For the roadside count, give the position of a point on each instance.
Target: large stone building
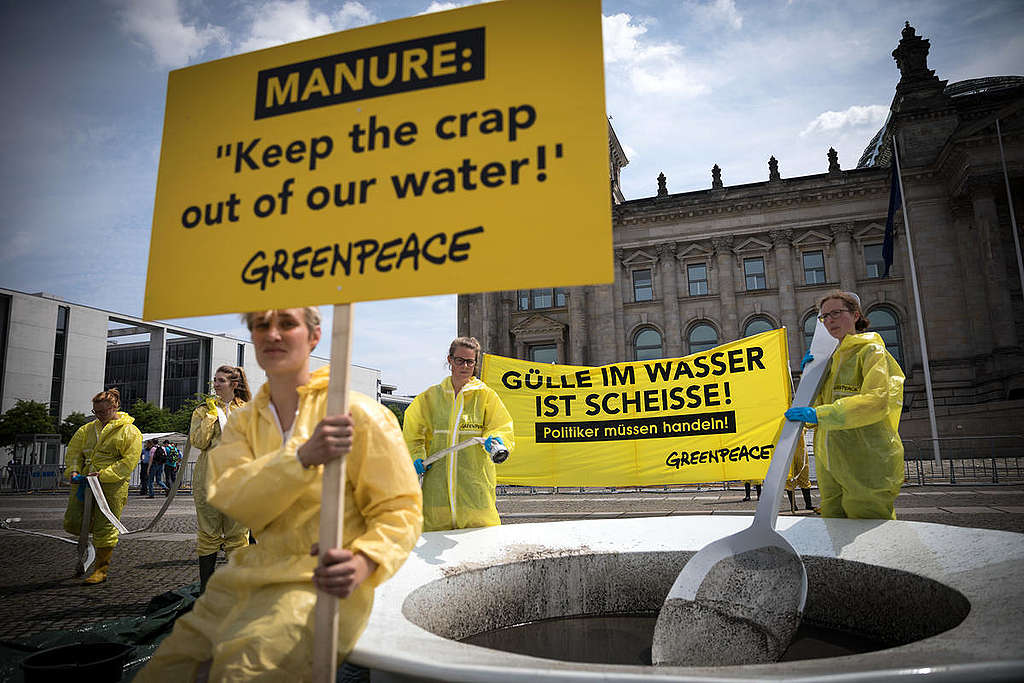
(696, 269)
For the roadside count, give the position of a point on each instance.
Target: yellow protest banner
(424, 156)
(711, 416)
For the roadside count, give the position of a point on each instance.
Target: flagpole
(917, 307)
(1009, 201)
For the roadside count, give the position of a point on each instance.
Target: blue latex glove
(80, 480)
(491, 440)
(807, 359)
(418, 464)
(803, 414)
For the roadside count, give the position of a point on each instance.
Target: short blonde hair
(112, 396)
(310, 316)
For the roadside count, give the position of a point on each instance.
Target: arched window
(702, 337)
(757, 326)
(884, 322)
(810, 322)
(647, 344)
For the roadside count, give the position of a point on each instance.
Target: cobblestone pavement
(39, 593)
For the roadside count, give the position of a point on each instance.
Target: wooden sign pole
(332, 499)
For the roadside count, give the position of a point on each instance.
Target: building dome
(878, 152)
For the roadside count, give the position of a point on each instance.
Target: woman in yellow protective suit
(458, 491)
(859, 455)
(255, 620)
(107, 448)
(799, 476)
(216, 530)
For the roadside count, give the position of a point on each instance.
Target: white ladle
(739, 600)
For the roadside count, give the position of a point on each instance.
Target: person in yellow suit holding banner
(216, 530)
(108, 448)
(458, 491)
(857, 447)
(255, 620)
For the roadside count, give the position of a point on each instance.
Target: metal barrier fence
(20, 478)
(965, 460)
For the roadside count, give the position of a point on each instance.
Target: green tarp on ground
(144, 632)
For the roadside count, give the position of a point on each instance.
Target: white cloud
(716, 12)
(856, 116)
(285, 21)
(159, 26)
(650, 67)
(445, 6)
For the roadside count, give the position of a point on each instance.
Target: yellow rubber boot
(101, 565)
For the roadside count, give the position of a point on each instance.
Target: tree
(26, 417)
(182, 417)
(71, 424)
(398, 409)
(150, 418)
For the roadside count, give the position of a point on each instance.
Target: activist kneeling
(458, 491)
(255, 619)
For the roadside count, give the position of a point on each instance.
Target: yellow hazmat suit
(799, 470)
(112, 450)
(859, 455)
(458, 490)
(255, 620)
(215, 528)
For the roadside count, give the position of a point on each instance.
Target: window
(60, 346)
(814, 267)
(884, 322)
(810, 322)
(702, 337)
(757, 326)
(643, 290)
(648, 344)
(697, 276)
(5, 311)
(753, 270)
(544, 353)
(874, 264)
(542, 298)
(241, 356)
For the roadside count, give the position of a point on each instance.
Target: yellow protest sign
(711, 416)
(458, 151)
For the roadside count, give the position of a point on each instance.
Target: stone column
(783, 241)
(602, 329)
(986, 220)
(155, 368)
(577, 326)
(842, 234)
(463, 314)
(727, 288)
(973, 282)
(670, 298)
(621, 276)
(508, 303)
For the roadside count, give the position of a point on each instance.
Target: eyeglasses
(460, 362)
(833, 315)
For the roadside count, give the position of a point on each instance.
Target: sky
(688, 84)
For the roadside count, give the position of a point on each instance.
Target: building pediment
(694, 252)
(640, 257)
(538, 325)
(812, 238)
(870, 232)
(752, 245)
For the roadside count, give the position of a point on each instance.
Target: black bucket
(93, 662)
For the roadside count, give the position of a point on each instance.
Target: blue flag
(894, 204)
